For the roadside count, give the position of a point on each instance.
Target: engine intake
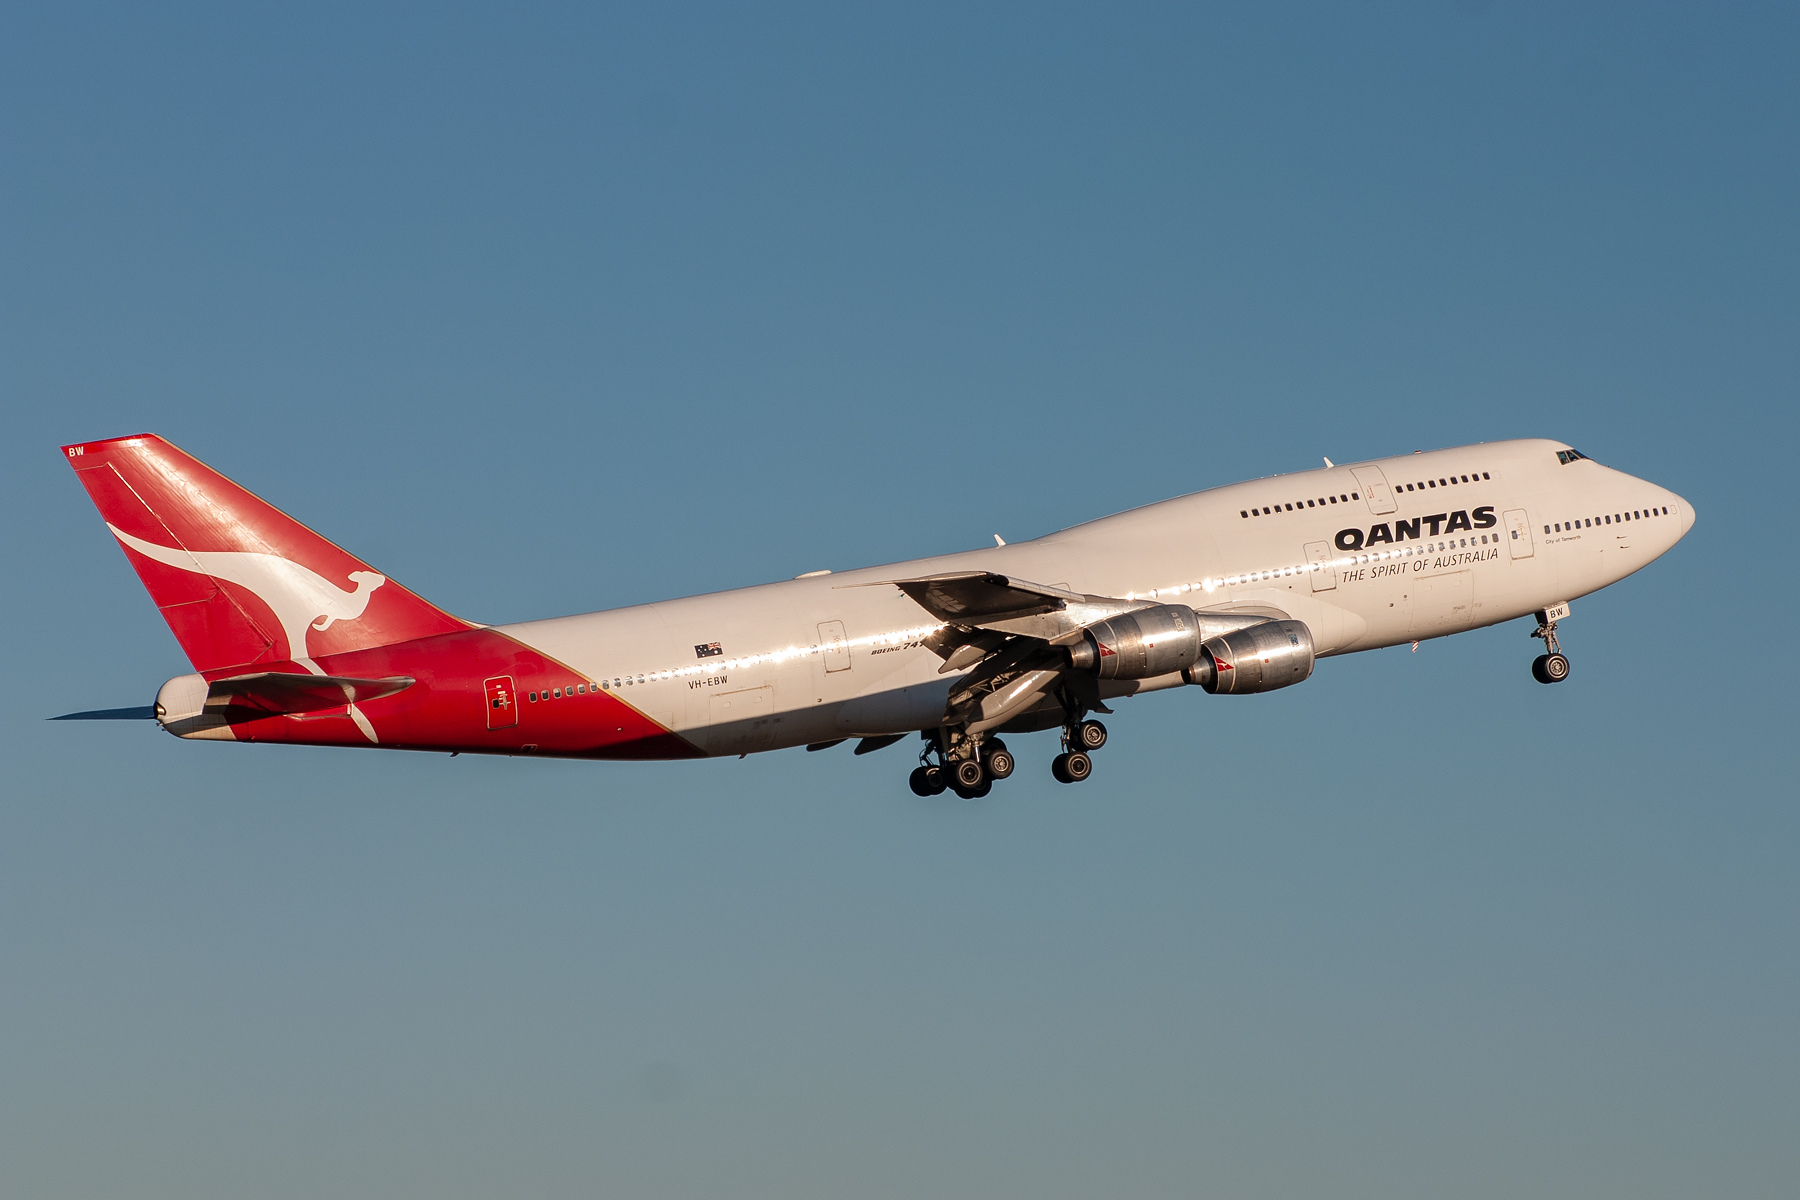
(1260, 658)
(1158, 640)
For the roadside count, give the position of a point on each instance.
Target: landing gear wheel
(999, 763)
(928, 781)
(1090, 735)
(977, 792)
(1072, 767)
(969, 775)
(1551, 666)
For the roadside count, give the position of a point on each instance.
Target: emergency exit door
(1374, 488)
(502, 702)
(1518, 532)
(1324, 575)
(834, 647)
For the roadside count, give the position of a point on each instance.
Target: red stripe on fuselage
(447, 708)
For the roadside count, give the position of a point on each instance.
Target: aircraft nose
(1685, 512)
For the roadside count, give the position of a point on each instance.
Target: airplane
(1237, 590)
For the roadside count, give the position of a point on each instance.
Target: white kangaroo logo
(300, 599)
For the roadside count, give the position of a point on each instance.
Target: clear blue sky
(543, 309)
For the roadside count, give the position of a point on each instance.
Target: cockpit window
(1565, 457)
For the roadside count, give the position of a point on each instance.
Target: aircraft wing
(975, 598)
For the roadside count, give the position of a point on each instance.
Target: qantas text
(1434, 525)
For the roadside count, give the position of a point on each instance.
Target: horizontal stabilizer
(143, 712)
(277, 692)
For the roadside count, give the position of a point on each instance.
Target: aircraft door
(834, 647)
(502, 702)
(1518, 532)
(1375, 489)
(1324, 575)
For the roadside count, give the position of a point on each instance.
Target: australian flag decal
(707, 650)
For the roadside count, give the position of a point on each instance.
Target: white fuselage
(832, 656)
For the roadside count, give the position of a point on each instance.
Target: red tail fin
(238, 580)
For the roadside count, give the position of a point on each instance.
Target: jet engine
(1159, 640)
(1259, 658)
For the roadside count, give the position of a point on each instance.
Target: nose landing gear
(1551, 667)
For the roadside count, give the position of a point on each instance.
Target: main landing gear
(970, 764)
(1551, 667)
(1079, 739)
(957, 762)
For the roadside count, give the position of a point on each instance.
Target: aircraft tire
(1556, 668)
(969, 774)
(999, 763)
(1091, 735)
(1077, 766)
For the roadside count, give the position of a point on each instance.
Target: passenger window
(532, 696)
(1484, 474)
(1431, 483)
(1355, 496)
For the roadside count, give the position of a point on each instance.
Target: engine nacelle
(1260, 658)
(1159, 640)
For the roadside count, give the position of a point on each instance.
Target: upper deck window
(1565, 457)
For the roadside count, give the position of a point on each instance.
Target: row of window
(1438, 483)
(580, 689)
(1637, 514)
(1354, 560)
(1322, 501)
(1565, 457)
